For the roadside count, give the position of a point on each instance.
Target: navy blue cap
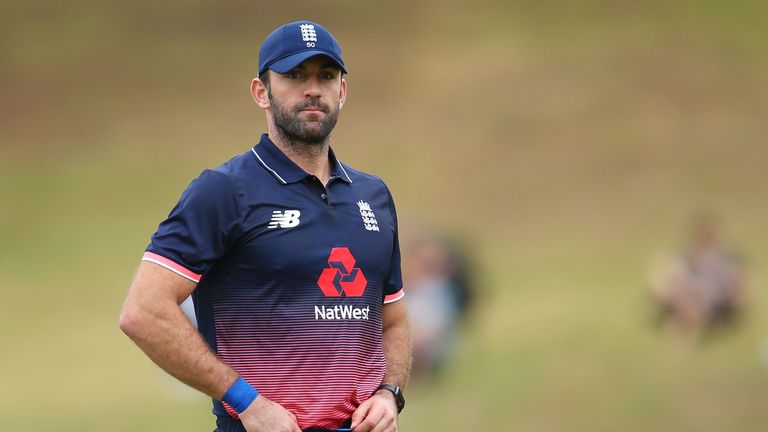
(292, 43)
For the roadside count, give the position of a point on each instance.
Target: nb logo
(285, 219)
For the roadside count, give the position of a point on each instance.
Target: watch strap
(399, 399)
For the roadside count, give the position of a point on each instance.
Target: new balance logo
(285, 219)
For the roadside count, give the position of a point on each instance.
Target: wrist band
(240, 395)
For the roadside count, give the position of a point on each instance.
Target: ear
(260, 93)
(342, 92)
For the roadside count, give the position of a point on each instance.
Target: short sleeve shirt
(292, 276)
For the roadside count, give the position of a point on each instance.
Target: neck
(311, 157)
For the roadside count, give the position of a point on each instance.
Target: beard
(291, 126)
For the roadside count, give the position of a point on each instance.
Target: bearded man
(293, 263)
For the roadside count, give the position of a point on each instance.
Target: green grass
(569, 142)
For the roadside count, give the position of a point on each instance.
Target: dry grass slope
(569, 141)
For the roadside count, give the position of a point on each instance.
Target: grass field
(569, 143)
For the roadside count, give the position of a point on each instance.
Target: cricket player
(293, 263)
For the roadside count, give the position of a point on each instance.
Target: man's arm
(152, 318)
(379, 413)
(397, 344)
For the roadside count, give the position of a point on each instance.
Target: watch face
(399, 397)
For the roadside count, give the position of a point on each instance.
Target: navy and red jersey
(292, 276)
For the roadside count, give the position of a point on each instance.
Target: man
(293, 262)
(701, 286)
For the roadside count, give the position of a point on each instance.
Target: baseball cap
(292, 43)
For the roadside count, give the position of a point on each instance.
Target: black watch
(399, 399)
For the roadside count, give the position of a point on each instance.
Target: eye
(293, 74)
(327, 75)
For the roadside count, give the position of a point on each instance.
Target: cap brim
(290, 62)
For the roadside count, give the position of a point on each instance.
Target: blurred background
(559, 146)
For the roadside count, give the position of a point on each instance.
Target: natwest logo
(341, 277)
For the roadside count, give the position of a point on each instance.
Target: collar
(284, 169)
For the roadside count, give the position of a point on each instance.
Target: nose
(312, 88)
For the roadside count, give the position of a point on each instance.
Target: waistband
(229, 424)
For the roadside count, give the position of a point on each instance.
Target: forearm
(380, 411)
(397, 345)
(160, 329)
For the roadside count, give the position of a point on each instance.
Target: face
(304, 103)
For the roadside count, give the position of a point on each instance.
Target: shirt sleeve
(393, 282)
(200, 229)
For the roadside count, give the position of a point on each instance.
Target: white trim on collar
(270, 169)
(343, 170)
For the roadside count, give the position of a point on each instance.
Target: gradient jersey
(291, 277)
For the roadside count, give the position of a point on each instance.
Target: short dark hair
(264, 77)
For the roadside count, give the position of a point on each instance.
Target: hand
(377, 414)
(263, 415)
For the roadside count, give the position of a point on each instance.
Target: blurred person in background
(439, 296)
(701, 286)
(293, 263)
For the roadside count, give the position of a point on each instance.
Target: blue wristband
(240, 395)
